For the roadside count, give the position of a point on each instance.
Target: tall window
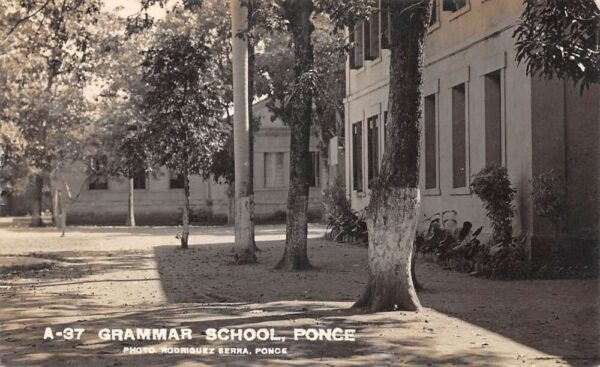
(313, 179)
(454, 5)
(140, 180)
(98, 180)
(357, 176)
(430, 143)
(175, 180)
(372, 149)
(274, 175)
(493, 119)
(459, 144)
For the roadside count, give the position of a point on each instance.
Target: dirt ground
(137, 278)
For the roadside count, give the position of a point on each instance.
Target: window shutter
(374, 36)
(358, 46)
(453, 5)
(352, 60)
(367, 39)
(384, 15)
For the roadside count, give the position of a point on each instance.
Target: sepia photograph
(299, 183)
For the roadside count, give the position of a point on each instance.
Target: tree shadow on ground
(71, 267)
(206, 273)
(17, 344)
(556, 317)
(204, 289)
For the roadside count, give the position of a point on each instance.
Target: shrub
(509, 260)
(492, 186)
(460, 249)
(343, 223)
(352, 229)
(550, 198)
(335, 202)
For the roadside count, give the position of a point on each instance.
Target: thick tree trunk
(36, 211)
(244, 200)
(391, 235)
(130, 206)
(295, 257)
(394, 207)
(185, 233)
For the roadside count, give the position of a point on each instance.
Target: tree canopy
(184, 100)
(560, 38)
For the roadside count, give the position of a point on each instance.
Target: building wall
(159, 204)
(582, 156)
(460, 48)
(566, 132)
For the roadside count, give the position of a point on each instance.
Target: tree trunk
(56, 208)
(393, 211)
(186, 212)
(253, 127)
(63, 214)
(130, 206)
(295, 257)
(391, 229)
(244, 200)
(36, 213)
(231, 205)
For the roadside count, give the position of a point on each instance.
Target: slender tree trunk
(395, 203)
(244, 200)
(231, 204)
(253, 127)
(295, 257)
(36, 213)
(186, 212)
(130, 205)
(56, 208)
(64, 208)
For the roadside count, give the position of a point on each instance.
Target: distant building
(159, 198)
(479, 107)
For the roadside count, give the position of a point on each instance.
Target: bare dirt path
(124, 278)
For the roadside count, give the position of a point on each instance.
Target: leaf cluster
(560, 39)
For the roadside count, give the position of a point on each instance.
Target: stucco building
(159, 197)
(479, 107)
